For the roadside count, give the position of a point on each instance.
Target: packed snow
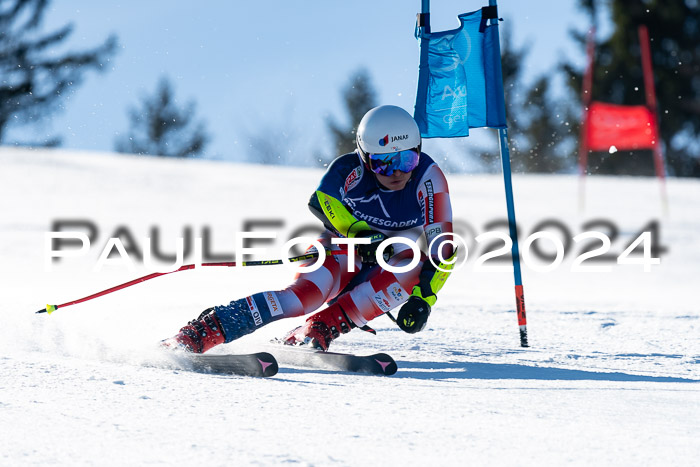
(611, 376)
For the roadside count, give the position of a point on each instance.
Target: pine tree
(548, 134)
(359, 96)
(34, 80)
(540, 129)
(162, 128)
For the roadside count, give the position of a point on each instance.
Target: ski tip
(268, 364)
(261, 364)
(387, 364)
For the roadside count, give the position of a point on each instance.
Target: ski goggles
(386, 164)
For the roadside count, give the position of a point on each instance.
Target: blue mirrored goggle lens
(386, 164)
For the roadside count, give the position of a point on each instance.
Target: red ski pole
(269, 262)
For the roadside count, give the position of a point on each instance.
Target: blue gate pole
(425, 11)
(512, 226)
(515, 251)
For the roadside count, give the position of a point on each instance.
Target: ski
(375, 364)
(260, 364)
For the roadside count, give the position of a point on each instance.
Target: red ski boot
(321, 328)
(199, 335)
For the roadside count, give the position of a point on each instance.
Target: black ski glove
(413, 315)
(368, 252)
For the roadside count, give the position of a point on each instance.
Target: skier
(386, 188)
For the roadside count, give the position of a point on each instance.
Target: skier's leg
(383, 291)
(225, 323)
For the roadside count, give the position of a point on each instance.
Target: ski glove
(368, 252)
(413, 315)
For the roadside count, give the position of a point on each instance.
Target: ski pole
(269, 262)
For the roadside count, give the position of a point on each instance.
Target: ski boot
(320, 328)
(214, 326)
(198, 335)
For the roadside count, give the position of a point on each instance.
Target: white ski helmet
(386, 129)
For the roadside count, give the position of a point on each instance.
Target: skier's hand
(368, 252)
(413, 315)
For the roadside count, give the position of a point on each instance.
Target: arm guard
(335, 216)
(431, 280)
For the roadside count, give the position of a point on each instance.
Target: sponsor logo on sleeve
(382, 302)
(273, 303)
(432, 231)
(329, 209)
(429, 202)
(353, 179)
(254, 311)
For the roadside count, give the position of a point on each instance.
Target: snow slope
(611, 377)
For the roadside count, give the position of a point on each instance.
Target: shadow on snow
(475, 370)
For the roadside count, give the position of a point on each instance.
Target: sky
(272, 69)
